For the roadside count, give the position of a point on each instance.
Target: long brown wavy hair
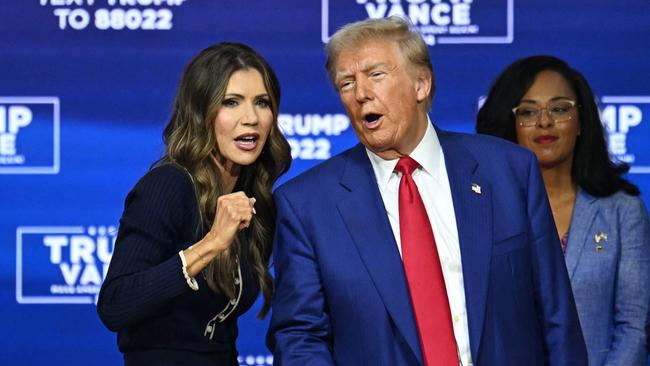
(191, 143)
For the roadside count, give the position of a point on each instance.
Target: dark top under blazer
(159, 320)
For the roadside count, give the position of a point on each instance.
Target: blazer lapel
(584, 213)
(365, 216)
(473, 209)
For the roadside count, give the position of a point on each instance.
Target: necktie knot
(406, 165)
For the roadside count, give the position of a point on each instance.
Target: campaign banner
(29, 135)
(62, 264)
(439, 21)
(627, 121)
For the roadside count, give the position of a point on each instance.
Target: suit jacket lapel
(365, 216)
(584, 213)
(472, 205)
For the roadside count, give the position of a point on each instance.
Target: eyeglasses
(528, 114)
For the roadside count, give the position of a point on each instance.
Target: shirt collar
(428, 153)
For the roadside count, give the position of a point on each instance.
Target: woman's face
(244, 120)
(552, 136)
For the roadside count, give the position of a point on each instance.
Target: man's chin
(384, 151)
(375, 146)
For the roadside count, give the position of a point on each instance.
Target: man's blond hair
(395, 28)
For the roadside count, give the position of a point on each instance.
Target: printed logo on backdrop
(439, 21)
(29, 135)
(623, 118)
(62, 264)
(114, 14)
(311, 136)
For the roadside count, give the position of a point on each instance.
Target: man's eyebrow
(374, 66)
(364, 69)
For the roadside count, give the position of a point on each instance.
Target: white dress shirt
(433, 185)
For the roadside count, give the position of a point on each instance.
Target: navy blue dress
(159, 320)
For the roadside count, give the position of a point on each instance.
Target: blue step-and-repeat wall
(86, 87)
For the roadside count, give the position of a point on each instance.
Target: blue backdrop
(86, 88)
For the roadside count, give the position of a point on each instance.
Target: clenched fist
(234, 212)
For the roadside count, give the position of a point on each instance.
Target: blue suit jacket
(341, 295)
(611, 276)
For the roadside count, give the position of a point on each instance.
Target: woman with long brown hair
(194, 243)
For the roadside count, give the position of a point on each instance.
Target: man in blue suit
(357, 283)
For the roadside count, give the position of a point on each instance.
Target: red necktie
(424, 274)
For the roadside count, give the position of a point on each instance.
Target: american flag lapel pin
(476, 188)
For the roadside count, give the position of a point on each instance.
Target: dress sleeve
(145, 272)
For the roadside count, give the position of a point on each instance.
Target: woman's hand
(234, 213)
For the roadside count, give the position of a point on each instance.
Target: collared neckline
(428, 153)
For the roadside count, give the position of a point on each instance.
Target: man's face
(384, 96)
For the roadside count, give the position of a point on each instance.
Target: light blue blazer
(608, 259)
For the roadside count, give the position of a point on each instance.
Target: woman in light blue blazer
(544, 105)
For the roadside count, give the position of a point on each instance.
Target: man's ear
(422, 85)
